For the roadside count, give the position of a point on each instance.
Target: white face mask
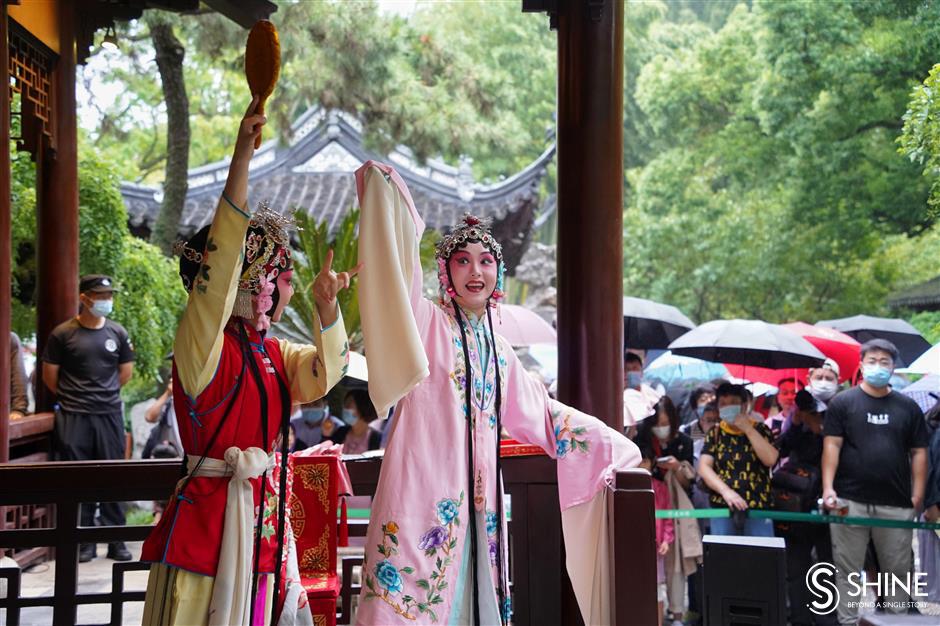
(661, 432)
(823, 389)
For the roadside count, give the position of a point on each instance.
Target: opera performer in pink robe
(436, 551)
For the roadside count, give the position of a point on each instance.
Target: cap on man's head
(829, 364)
(96, 283)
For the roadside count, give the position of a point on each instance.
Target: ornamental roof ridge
(313, 130)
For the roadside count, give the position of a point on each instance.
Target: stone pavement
(93, 577)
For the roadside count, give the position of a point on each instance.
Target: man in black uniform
(86, 361)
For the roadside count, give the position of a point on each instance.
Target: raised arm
(393, 312)
(199, 338)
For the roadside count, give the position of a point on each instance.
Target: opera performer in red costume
(214, 556)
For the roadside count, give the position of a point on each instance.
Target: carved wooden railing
(30, 442)
(540, 587)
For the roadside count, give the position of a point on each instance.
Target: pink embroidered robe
(421, 511)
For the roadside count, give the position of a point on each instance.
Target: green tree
(775, 190)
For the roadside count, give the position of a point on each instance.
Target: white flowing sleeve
(588, 454)
(390, 300)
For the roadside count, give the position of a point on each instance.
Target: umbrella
(546, 355)
(522, 327)
(910, 343)
(648, 324)
(835, 345)
(670, 368)
(925, 392)
(927, 363)
(357, 367)
(748, 342)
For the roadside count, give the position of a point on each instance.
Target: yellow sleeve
(199, 338)
(313, 370)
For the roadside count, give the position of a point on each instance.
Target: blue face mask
(102, 308)
(634, 379)
(314, 415)
(349, 417)
(876, 375)
(700, 410)
(729, 413)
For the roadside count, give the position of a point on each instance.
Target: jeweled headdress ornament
(267, 254)
(470, 229)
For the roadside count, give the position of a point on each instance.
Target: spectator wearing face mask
(700, 397)
(86, 361)
(874, 465)
(824, 381)
(638, 397)
(670, 450)
(736, 462)
(358, 411)
(698, 429)
(314, 424)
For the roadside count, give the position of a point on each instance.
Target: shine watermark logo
(821, 582)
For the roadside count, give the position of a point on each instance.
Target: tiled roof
(925, 295)
(315, 173)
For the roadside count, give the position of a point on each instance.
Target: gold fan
(262, 63)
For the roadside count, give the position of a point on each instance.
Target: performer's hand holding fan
(262, 63)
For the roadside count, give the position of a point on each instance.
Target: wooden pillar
(6, 253)
(57, 200)
(590, 207)
(590, 216)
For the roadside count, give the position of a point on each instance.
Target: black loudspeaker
(745, 581)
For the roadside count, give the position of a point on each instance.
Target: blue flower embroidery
(446, 511)
(491, 523)
(507, 610)
(388, 576)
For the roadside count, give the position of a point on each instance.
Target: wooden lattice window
(30, 78)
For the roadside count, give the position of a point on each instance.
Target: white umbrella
(927, 363)
(357, 367)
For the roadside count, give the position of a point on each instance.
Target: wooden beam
(243, 12)
(6, 252)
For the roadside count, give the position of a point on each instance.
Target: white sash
(231, 590)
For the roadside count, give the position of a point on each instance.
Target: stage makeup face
(473, 273)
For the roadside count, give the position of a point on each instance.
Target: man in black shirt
(875, 463)
(86, 361)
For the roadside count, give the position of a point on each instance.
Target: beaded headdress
(267, 254)
(470, 229)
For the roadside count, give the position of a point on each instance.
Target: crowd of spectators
(863, 451)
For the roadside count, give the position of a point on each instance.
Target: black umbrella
(648, 324)
(748, 342)
(909, 342)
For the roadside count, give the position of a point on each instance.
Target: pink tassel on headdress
(263, 304)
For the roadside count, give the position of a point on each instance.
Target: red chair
(313, 519)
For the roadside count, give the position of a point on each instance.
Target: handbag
(795, 487)
(160, 443)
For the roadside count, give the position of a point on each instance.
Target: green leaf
(423, 583)
(394, 539)
(407, 570)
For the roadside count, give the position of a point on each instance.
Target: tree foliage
(761, 139)
(774, 189)
(151, 297)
